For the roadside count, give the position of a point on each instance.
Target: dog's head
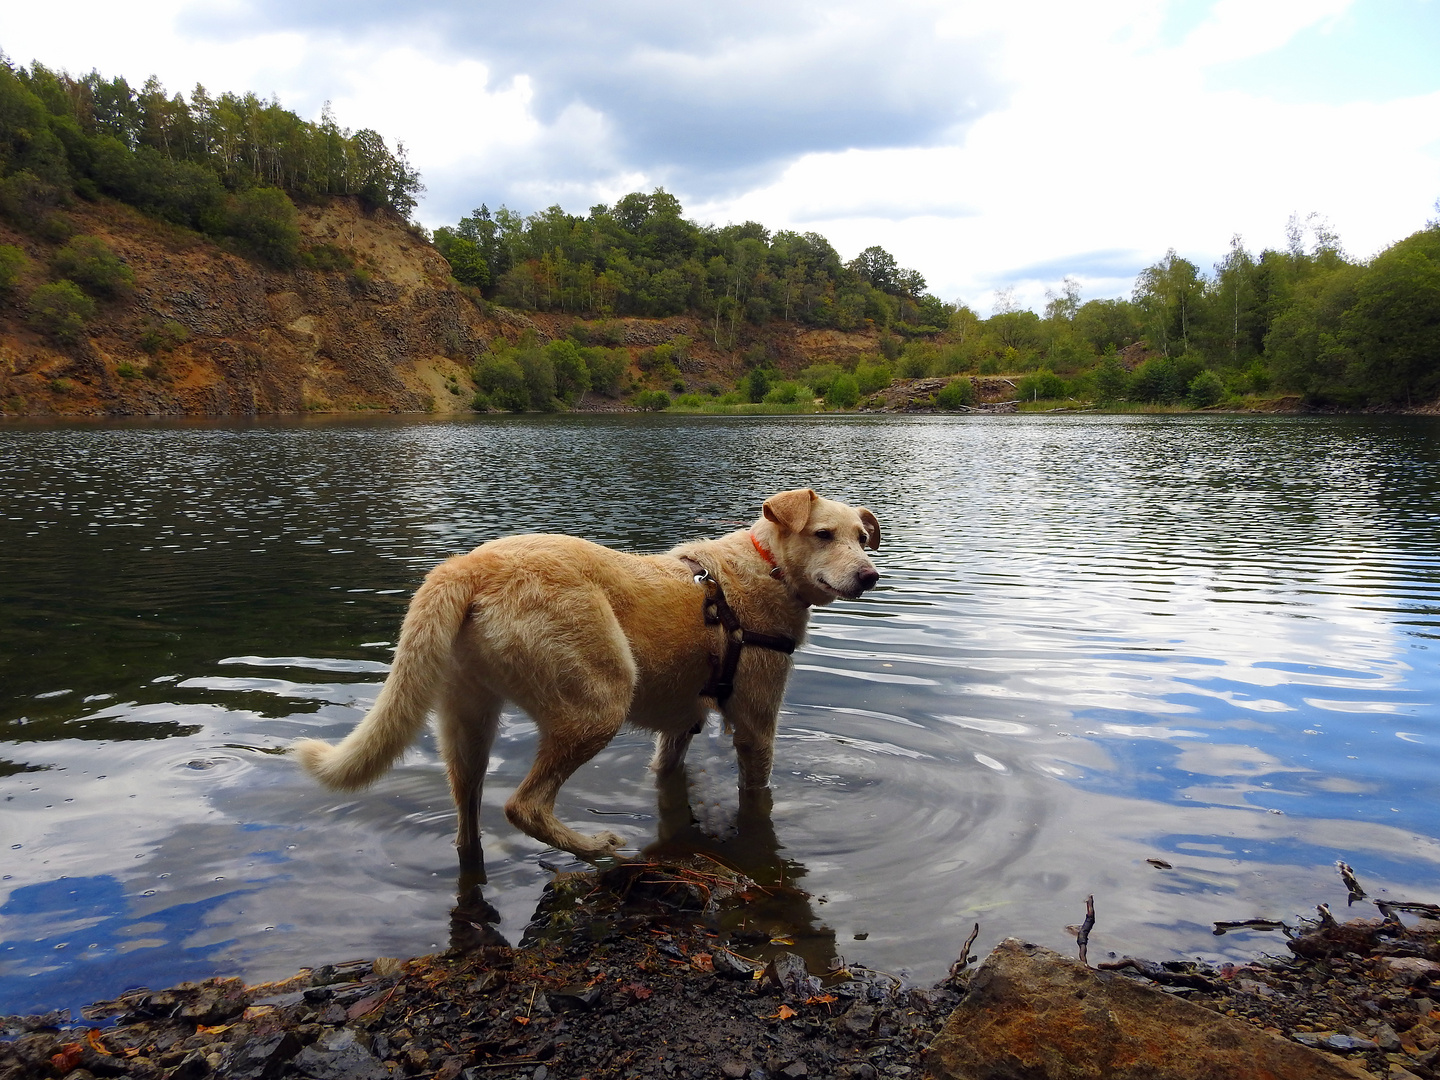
(820, 544)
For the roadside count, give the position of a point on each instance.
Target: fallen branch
(965, 958)
(1347, 875)
(1221, 928)
(1083, 937)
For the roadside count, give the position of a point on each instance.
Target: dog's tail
(399, 713)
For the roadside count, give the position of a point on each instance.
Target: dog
(584, 639)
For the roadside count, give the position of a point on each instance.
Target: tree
(1392, 331)
(876, 266)
(1166, 294)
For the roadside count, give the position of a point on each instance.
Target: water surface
(1099, 641)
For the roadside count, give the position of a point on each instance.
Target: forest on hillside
(1307, 319)
(227, 166)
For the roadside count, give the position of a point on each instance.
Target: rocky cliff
(207, 332)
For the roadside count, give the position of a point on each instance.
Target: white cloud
(1090, 135)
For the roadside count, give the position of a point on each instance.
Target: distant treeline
(220, 165)
(642, 257)
(1306, 319)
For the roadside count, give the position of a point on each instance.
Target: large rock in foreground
(1032, 1014)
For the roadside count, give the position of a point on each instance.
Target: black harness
(718, 612)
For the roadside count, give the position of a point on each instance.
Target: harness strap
(718, 612)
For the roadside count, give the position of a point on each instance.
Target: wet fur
(585, 639)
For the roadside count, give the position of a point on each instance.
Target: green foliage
(327, 258)
(757, 385)
(1110, 378)
(871, 377)
(1041, 384)
(918, 360)
(843, 393)
(956, 394)
(89, 262)
(1164, 380)
(606, 367)
(467, 262)
(572, 376)
(173, 158)
(168, 335)
(785, 393)
(1392, 330)
(1205, 390)
(642, 257)
(12, 266)
(61, 309)
(652, 401)
(265, 223)
(501, 380)
(819, 377)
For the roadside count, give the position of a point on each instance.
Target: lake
(1181, 663)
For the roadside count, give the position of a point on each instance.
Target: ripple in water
(1206, 641)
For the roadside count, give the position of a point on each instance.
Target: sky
(990, 146)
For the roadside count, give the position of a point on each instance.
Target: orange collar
(765, 554)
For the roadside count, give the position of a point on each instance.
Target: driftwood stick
(1251, 924)
(1327, 920)
(1083, 937)
(1428, 911)
(965, 958)
(1347, 875)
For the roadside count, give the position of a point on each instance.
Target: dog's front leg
(754, 742)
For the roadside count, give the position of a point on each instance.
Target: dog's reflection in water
(474, 922)
(779, 918)
(780, 910)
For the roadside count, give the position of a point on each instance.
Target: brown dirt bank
(645, 971)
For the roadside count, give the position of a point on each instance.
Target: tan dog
(584, 639)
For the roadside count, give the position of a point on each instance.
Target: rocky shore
(630, 972)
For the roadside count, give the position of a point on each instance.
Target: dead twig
(1347, 875)
(1083, 937)
(965, 958)
(1222, 928)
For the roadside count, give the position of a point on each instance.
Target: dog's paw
(609, 840)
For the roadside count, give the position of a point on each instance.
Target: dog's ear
(872, 527)
(790, 509)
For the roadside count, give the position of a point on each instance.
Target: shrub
(844, 393)
(757, 385)
(690, 401)
(12, 265)
(326, 257)
(263, 219)
(61, 309)
(1042, 384)
(501, 382)
(126, 370)
(956, 394)
(1205, 390)
(785, 393)
(918, 361)
(89, 262)
(605, 366)
(652, 400)
(167, 336)
(872, 377)
(819, 377)
(1111, 379)
(731, 397)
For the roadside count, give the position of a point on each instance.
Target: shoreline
(631, 972)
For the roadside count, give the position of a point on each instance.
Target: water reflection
(1098, 641)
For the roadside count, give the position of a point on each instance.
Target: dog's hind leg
(566, 743)
(468, 718)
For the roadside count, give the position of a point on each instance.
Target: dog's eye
(824, 534)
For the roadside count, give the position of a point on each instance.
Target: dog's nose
(868, 577)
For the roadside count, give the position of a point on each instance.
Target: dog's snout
(868, 577)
